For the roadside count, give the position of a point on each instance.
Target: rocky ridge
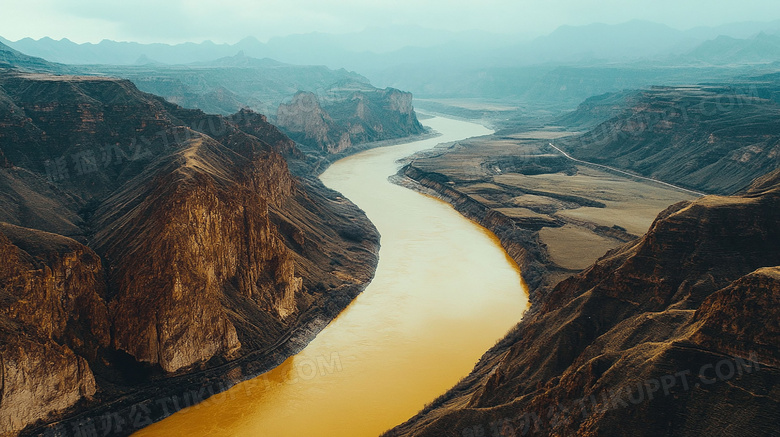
(711, 138)
(346, 116)
(674, 331)
(190, 247)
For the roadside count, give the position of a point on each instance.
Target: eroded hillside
(675, 331)
(186, 247)
(711, 138)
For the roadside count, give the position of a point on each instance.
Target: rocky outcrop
(344, 117)
(211, 230)
(39, 378)
(598, 109)
(205, 254)
(672, 334)
(734, 319)
(258, 125)
(713, 138)
(53, 318)
(85, 135)
(305, 120)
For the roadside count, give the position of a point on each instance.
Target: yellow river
(444, 293)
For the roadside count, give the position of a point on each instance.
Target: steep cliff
(53, 318)
(306, 122)
(672, 334)
(345, 116)
(212, 229)
(204, 249)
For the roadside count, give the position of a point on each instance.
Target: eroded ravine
(444, 292)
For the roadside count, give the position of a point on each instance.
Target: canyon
(158, 255)
(625, 340)
(250, 261)
(680, 300)
(444, 292)
(326, 111)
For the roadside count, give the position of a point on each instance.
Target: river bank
(552, 217)
(118, 411)
(163, 395)
(443, 293)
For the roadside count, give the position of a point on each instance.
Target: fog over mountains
(444, 64)
(165, 231)
(374, 48)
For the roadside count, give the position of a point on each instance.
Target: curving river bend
(444, 293)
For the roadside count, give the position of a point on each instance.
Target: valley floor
(573, 212)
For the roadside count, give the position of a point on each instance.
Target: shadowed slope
(208, 254)
(641, 343)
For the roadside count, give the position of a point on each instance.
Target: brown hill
(53, 318)
(347, 117)
(199, 254)
(711, 138)
(673, 334)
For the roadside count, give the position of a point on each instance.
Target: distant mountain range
(435, 64)
(225, 85)
(383, 47)
(635, 40)
(353, 111)
(312, 48)
(759, 49)
(10, 58)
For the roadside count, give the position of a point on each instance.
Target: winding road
(624, 172)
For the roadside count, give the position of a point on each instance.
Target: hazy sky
(230, 20)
